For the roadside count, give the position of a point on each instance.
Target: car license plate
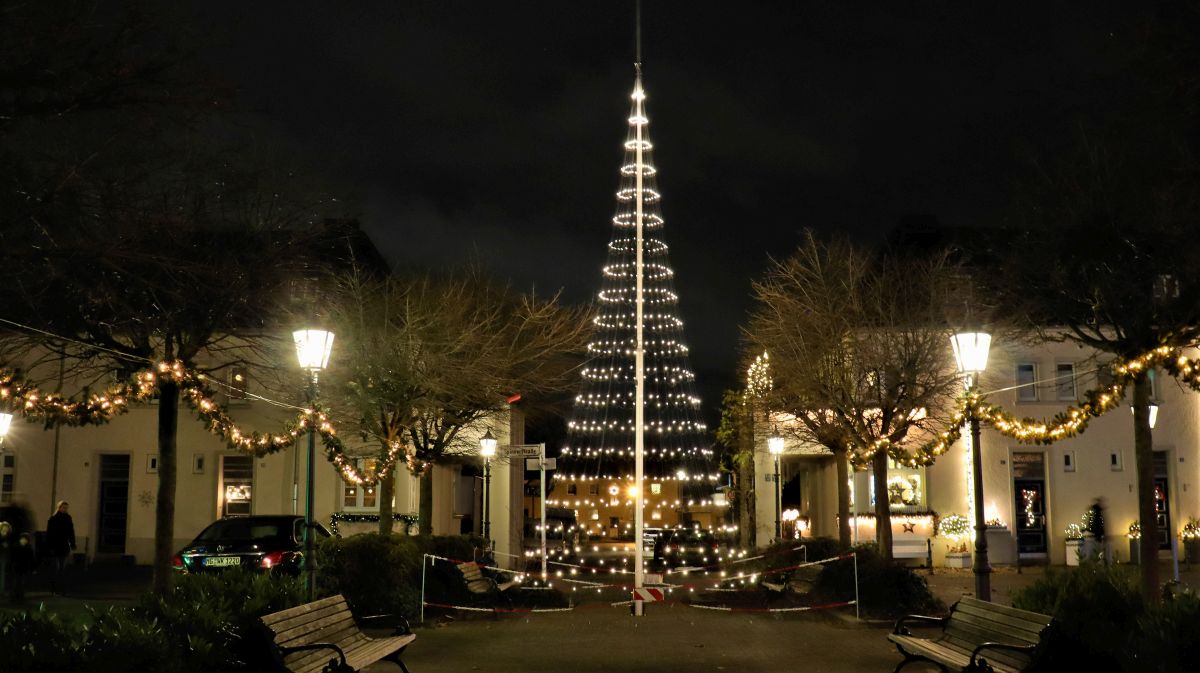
(222, 561)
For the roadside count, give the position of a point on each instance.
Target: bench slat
(316, 615)
(999, 617)
(377, 649)
(300, 610)
(985, 630)
(972, 602)
(307, 631)
(343, 639)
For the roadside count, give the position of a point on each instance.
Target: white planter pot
(1074, 548)
(958, 559)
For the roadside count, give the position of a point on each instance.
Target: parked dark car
(273, 542)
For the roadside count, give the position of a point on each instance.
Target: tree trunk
(387, 493)
(840, 458)
(1143, 445)
(426, 513)
(883, 512)
(746, 498)
(164, 511)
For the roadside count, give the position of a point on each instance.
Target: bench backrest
(325, 621)
(974, 622)
(473, 574)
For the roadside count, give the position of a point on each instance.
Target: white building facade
(1031, 493)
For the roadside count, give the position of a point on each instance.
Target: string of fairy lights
(1067, 423)
(601, 444)
(98, 408)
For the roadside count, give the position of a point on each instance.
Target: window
(1027, 382)
(8, 476)
(237, 485)
(1064, 381)
(1068, 461)
(360, 496)
(1152, 375)
(593, 489)
(656, 488)
(572, 489)
(238, 380)
(905, 488)
(1115, 461)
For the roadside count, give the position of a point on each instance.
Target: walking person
(18, 550)
(60, 542)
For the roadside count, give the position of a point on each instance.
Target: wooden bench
(324, 637)
(478, 583)
(977, 636)
(913, 547)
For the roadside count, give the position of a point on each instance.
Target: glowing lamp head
(775, 443)
(313, 347)
(633, 491)
(1153, 418)
(487, 444)
(5, 423)
(971, 351)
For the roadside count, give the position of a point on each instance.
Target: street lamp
(487, 449)
(775, 446)
(1153, 415)
(313, 347)
(971, 354)
(5, 423)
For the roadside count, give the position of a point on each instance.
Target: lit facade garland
(1064, 425)
(97, 409)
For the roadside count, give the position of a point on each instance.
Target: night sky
(456, 128)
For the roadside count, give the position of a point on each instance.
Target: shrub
(39, 641)
(885, 588)
(207, 623)
(381, 574)
(1101, 622)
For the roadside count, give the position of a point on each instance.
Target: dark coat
(60, 534)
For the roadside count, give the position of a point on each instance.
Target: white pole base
(638, 608)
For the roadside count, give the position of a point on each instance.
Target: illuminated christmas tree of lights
(601, 442)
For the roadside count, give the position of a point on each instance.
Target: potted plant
(1135, 550)
(1074, 535)
(956, 529)
(1191, 540)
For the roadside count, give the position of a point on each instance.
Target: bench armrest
(923, 619)
(284, 651)
(399, 623)
(1026, 649)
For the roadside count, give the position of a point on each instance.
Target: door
(113, 507)
(1029, 488)
(1162, 500)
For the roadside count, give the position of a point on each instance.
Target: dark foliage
(886, 589)
(1102, 623)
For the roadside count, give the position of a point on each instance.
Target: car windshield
(247, 529)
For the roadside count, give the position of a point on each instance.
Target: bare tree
(428, 357)
(859, 353)
(174, 264)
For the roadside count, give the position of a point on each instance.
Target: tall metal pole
(309, 520)
(542, 505)
(778, 502)
(639, 357)
(983, 569)
(487, 496)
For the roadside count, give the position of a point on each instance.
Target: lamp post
(487, 449)
(775, 446)
(971, 354)
(313, 347)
